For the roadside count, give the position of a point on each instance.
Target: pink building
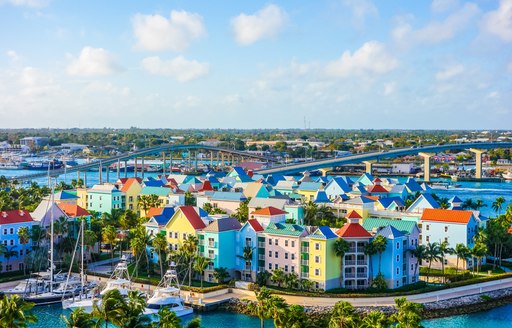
(268, 215)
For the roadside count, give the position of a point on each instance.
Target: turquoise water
(49, 316)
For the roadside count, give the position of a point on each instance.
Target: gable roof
(360, 200)
(207, 186)
(228, 196)
(286, 229)
(389, 232)
(353, 230)
(269, 211)
(323, 232)
(224, 224)
(428, 198)
(387, 201)
(342, 183)
(255, 225)
(413, 185)
(153, 211)
(354, 215)
(309, 186)
(15, 216)
(442, 215)
(265, 202)
(153, 183)
(159, 191)
(129, 182)
(377, 188)
(64, 195)
(192, 216)
(321, 197)
(455, 199)
(73, 210)
(404, 226)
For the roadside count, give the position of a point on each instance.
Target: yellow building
(185, 222)
(132, 188)
(81, 193)
(308, 190)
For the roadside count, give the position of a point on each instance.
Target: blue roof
(455, 199)
(154, 183)
(342, 183)
(213, 180)
(309, 186)
(324, 232)
(390, 232)
(62, 195)
(413, 185)
(385, 202)
(161, 219)
(228, 196)
(321, 197)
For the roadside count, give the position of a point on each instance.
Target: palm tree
(110, 236)
(343, 316)
(160, 244)
(78, 319)
(134, 310)
(277, 277)
(310, 213)
(479, 204)
(247, 255)
(341, 246)
(381, 244)
(285, 316)
(479, 250)
(10, 252)
(305, 284)
(262, 306)
(497, 205)
(146, 202)
(200, 264)
(220, 274)
(462, 252)
(167, 319)
(90, 239)
(433, 255)
(369, 251)
(375, 319)
(291, 280)
(468, 204)
(110, 310)
(444, 250)
(420, 252)
(408, 314)
(24, 238)
(15, 312)
(190, 251)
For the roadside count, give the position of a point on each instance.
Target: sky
(345, 64)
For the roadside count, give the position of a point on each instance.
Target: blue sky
(444, 64)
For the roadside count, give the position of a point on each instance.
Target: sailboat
(167, 295)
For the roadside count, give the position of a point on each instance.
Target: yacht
(29, 286)
(167, 295)
(507, 176)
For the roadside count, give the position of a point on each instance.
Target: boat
(507, 176)
(43, 165)
(120, 280)
(167, 295)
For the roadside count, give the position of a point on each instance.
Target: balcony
(261, 257)
(201, 242)
(212, 244)
(248, 244)
(304, 249)
(304, 275)
(357, 287)
(304, 262)
(362, 275)
(261, 244)
(362, 262)
(351, 250)
(261, 269)
(350, 262)
(349, 275)
(212, 256)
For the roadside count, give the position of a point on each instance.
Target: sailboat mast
(82, 255)
(51, 239)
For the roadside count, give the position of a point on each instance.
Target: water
(501, 317)
(50, 317)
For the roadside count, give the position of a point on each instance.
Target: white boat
(507, 176)
(167, 295)
(29, 286)
(120, 280)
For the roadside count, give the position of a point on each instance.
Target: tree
(24, 238)
(190, 200)
(479, 251)
(189, 249)
(10, 252)
(128, 220)
(146, 202)
(277, 277)
(160, 244)
(369, 251)
(292, 316)
(262, 306)
(78, 319)
(134, 311)
(468, 204)
(433, 255)
(380, 243)
(110, 237)
(408, 314)
(479, 204)
(262, 277)
(341, 246)
(462, 252)
(111, 309)
(497, 205)
(15, 312)
(343, 316)
(167, 319)
(200, 264)
(291, 280)
(242, 213)
(375, 319)
(220, 274)
(247, 255)
(310, 213)
(444, 250)
(420, 252)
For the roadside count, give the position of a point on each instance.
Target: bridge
(368, 158)
(223, 154)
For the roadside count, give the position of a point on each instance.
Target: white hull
(186, 310)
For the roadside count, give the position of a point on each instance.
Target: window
(398, 258)
(445, 228)
(286, 243)
(397, 283)
(428, 227)
(12, 242)
(170, 234)
(286, 256)
(176, 247)
(285, 268)
(130, 199)
(176, 235)
(446, 239)
(276, 242)
(270, 241)
(317, 258)
(21, 252)
(211, 254)
(317, 246)
(293, 243)
(184, 236)
(317, 272)
(427, 238)
(276, 254)
(397, 270)
(5, 231)
(397, 245)
(11, 231)
(412, 267)
(269, 253)
(276, 266)
(293, 269)
(293, 256)
(270, 266)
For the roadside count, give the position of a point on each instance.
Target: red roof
(127, 184)
(207, 186)
(377, 188)
(441, 215)
(73, 210)
(354, 215)
(255, 225)
(377, 180)
(154, 211)
(192, 217)
(15, 216)
(353, 230)
(269, 211)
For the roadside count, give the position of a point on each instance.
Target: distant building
(35, 142)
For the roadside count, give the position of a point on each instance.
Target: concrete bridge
(369, 158)
(221, 155)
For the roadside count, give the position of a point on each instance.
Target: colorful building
(104, 198)
(248, 237)
(132, 187)
(185, 222)
(10, 223)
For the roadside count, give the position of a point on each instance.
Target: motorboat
(167, 295)
(28, 286)
(507, 176)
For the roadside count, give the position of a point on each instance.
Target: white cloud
(93, 62)
(106, 88)
(265, 23)
(179, 68)
(439, 6)
(13, 56)
(440, 31)
(35, 83)
(450, 71)
(499, 21)
(26, 3)
(493, 95)
(157, 33)
(361, 9)
(389, 88)
(371, 58)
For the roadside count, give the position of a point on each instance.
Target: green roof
(159, 191)
(402, 225)
(284, 229)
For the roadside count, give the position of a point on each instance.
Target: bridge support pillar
(77, 176)
(107, 171)
(85, 179)
(135, 168)
(126, 169)
(195, 161)
(189, 160)
(426, 166)
(478, 154)
(325, 170)
(163, 164)
(222, 159)
(142, 168)
(118, 169)
(369, 166)
(100, 172)
(211, 159)
(170, 163)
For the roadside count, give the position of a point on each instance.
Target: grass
(12, 276)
